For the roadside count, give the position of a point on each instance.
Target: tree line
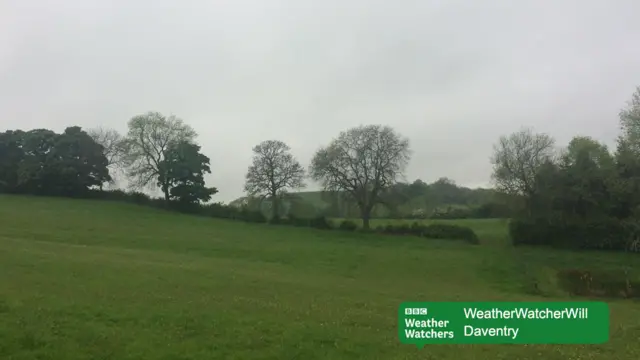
(581, 196)
(157, 150)
(161, 151)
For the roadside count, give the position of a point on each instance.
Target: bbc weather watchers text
(423, 323)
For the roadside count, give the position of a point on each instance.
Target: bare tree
(273, 171)
(114, 150)
(361, 163)
(517, 159)
(149, 136)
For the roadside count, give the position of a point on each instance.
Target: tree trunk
(165, 189)
(275, 215)
(366, 215)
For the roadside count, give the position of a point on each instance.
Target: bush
(139, 198)
(320, 222)
(433, 231)
(253, 216)
(595, 234)
(450, 231)
(296, 221)
(218, 210)
(418, 229)
(601, 284)
(348, 225)
(398, 229)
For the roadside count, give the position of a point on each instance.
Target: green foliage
(182, 171)
(299, 207)
(321, 222)
(587, 198)
(251, 216)
(608, 284)
(449, 231)
(45, 163)
(296, 221)
(602, 234)
(432, 231)
(348, 225)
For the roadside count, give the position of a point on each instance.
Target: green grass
(104, 280)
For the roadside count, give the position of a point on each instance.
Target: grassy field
(103, 280)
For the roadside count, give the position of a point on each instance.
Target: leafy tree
(300, 208)
(594, 151)
(11, 155)
(78, 161)
(145, 145)
(182, 173)
(418, 188)
(394, 197)
(362, 162)
(626, 184)
(630, 123)
(43, 162)
(273, 171)
(445, 191)
(35, 171)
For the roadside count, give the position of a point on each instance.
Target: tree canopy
(147, 140)
(273, 171)
(362, 163)
(40, 161)
(182, 172)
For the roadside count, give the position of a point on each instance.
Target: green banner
(423, 323)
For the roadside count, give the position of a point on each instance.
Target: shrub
(398, 229)
(450, 231)
(348, 225)
(218, 210)
(389, 229)
(403, 229)
(253, 216)
(597, 234)
(296, 221)
(418, 229)
(320, 222)
(602, 284)
(139, 198)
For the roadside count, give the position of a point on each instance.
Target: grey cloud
(451, 75)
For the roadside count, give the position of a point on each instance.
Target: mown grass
(103, 280)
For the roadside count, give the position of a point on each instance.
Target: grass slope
(104, 280)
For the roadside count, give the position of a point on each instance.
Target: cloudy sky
(452, 75)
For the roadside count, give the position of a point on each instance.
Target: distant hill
(401, 200)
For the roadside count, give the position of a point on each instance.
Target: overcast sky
(451, 75)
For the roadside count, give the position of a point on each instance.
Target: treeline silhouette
(581, 197)
(73, 164)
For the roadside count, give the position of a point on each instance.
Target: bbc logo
(415, 311)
